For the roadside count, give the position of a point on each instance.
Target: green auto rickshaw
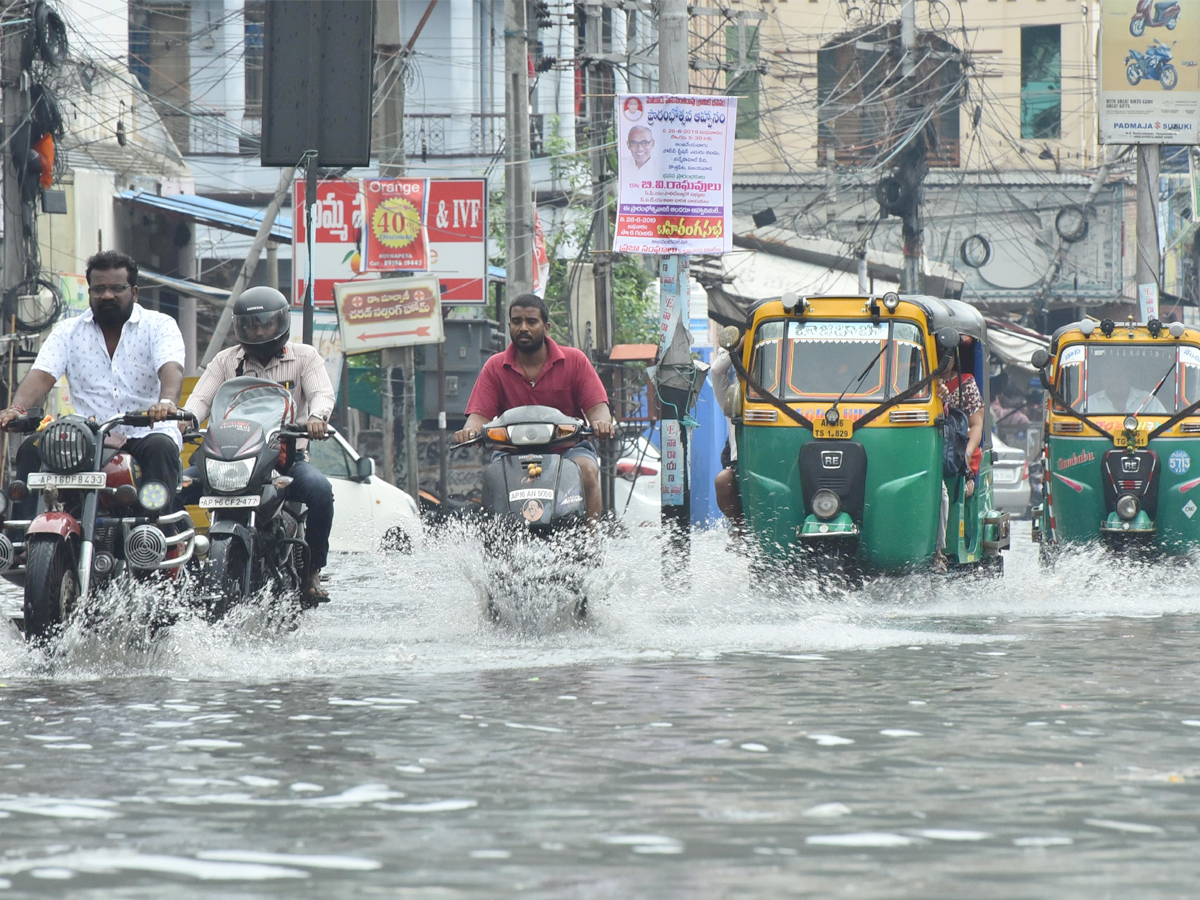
(1121, 425)
(840, 440)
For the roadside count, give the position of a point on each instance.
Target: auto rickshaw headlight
(1127, 506)
(891, 300)
(792, 301)
(1176, 329)
(832, 417)
(1130, 423)
(825, 504)
(1087, 327)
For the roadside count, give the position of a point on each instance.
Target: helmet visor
(262, 326)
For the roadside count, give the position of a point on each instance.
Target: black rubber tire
(223, 576)
(51, 585)
(396, 540)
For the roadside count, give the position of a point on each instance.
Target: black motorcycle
(538, 547)
(96, 520)
(255, 542)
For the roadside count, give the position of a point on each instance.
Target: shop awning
(202, 210)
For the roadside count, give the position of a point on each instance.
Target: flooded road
(1027, 738)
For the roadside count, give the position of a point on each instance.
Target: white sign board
(393, 312)
(675, 174)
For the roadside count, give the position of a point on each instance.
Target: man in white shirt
(118, 358)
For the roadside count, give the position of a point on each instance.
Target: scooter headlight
(825, 504)
(1127, 506)
(228, 476)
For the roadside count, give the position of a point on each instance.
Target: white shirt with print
(128, 381)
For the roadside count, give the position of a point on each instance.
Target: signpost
(392, 312)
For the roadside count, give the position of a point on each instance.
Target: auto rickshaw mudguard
(902, 501)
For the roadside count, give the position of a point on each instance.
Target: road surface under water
(1032, 737)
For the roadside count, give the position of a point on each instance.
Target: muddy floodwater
(1031, 737)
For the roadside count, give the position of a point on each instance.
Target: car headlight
(1127, 506)
(825, 504)
(228, 476)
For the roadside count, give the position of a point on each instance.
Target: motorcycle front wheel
(51, 585)
(223, 577)
(1134, 73)
(1137, 27)
(1169, 78)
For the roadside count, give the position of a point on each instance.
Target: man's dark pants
(156, 454)
(310, 487)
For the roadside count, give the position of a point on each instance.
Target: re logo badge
(1179, 462)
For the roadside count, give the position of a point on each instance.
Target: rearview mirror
(947, 338)
(1040, 358)
(729, 337)
(366, 467)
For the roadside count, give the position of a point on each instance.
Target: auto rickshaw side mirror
(1040, 358)
(729, 336)
(947, 338)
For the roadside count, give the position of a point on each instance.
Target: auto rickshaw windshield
(803, 359)
(1154, 379)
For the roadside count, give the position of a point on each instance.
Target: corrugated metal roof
(229, 216)
(183, 286)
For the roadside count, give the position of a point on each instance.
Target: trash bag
(955, 433)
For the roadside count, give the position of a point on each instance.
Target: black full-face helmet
(262, 321)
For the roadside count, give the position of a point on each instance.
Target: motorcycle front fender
(62, 524)
(235, 530)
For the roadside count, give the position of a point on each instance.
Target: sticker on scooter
(531, 494)
(1179, 462)
(1189, 509)
(533, 511)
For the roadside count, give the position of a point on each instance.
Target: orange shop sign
(395, 224)
(392, 312)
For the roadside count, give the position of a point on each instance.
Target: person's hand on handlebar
(8, 415)
(163, 409)
(604, 429)
(317, 428)
(466, 434)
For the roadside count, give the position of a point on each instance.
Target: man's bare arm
(32, 391)
(474, 423)
(170, 386)
(600, 417)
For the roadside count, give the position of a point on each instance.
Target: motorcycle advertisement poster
(675, 174)
(1149, 72)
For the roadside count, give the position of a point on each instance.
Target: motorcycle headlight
(1127, 506)
(228, 476)
(825, 504)
(66, 446)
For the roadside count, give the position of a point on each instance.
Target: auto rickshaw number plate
(842, 431)
(78, 480)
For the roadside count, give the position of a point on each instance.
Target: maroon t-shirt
(567, 382)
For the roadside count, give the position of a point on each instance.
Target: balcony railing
(434, 135)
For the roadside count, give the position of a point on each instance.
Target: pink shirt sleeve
(590, 389)
(485, 396)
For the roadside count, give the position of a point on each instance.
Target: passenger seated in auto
(958, 390)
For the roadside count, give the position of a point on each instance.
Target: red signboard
(456, 225)
(337, 226)
(394, 234)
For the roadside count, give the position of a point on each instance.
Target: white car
(1010, 478)
(368, 513)
(636, 495)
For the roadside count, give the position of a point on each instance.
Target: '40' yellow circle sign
(396, 223)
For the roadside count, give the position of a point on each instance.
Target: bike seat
(1162, 6)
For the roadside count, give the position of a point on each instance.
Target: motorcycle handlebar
(143, 420)
(26, 423)
(585, 431)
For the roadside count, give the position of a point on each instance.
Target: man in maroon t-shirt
(535, 371)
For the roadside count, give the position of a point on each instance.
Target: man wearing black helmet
(262, 322)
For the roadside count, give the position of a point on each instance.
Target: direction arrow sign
(411, 306)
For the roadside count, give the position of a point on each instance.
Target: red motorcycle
(93, 523)
(1155, 14)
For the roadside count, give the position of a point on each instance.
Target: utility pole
(599, 104)
(518, 187)
(392, 165)
(675, 371)
(1148, 263)
(15, 107)
(913, 165)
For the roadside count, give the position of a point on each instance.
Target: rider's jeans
(310, 487)
(157, 455)
(313, 489)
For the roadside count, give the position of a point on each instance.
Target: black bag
(956, 430)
